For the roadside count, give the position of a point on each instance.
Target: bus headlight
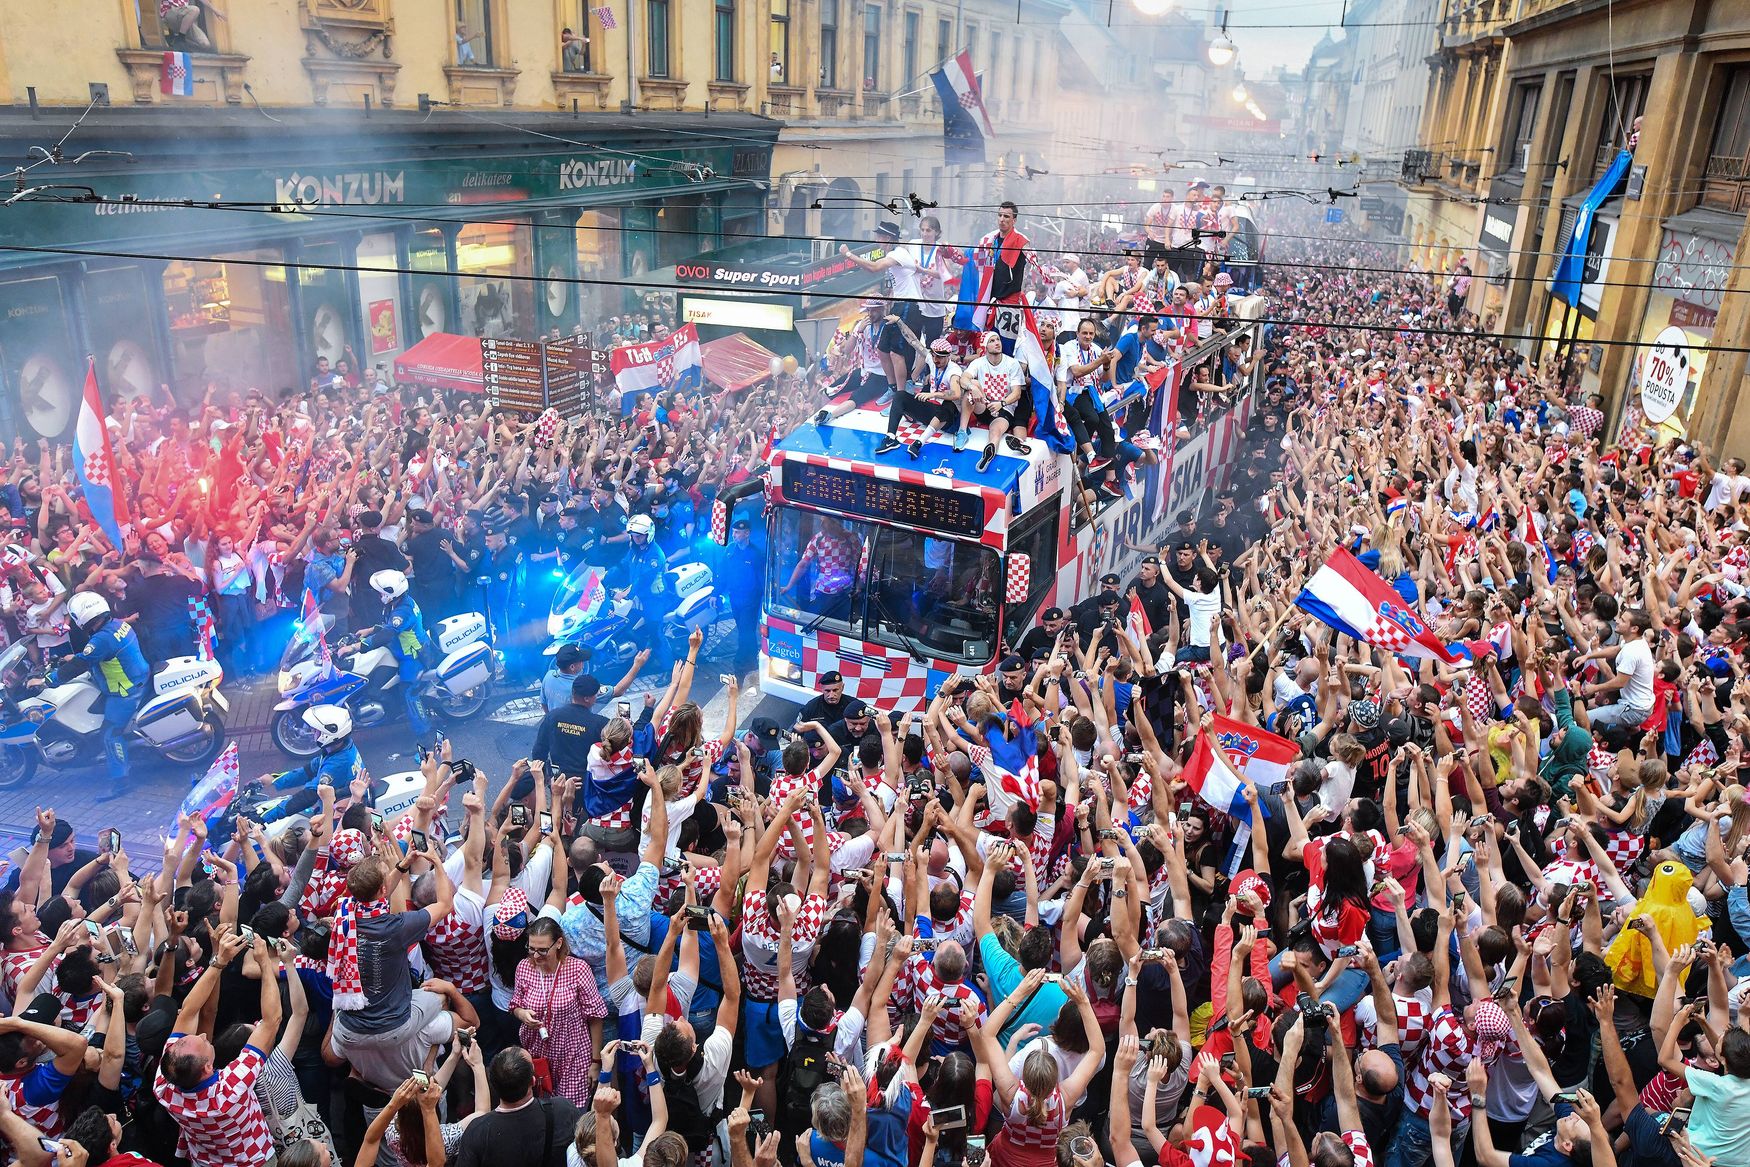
(783, 670)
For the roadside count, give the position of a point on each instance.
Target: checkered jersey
(996, 380)
(13, 965)
(1448, 1051)
(917, 981)
(1584, 420)
(221, 1121)
(959, 929)
(1412, 1022)
(76, 1012)
(456, 944)
(1357, 1144)
(1624, 847)
(45, 1117)
(323, 894)
(1038, 846)
(834, 559)
(707, 880)
(692, 769)
(1023, 1132)
(759, 942)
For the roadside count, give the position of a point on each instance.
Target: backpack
(804, 1071)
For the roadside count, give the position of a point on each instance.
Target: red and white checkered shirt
(917, 980)
(458, 953)
(1357, 1144)
(1023, 1132)
(1447, 1051)
(13, 965)
(706, 882)
(1584, 420)
(46, 1119)
(834, 559)
(76, 1012)
(221, 1121)
(1624, 847)
(1412, 1024)
(759, 942)
(782, 785)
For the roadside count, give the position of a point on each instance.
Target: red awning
(443, 361)
(735, 362)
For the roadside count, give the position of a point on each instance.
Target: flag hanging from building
(177, 77)
(965, 124)
(94, 463)
(604, 16)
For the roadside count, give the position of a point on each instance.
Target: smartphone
(949, 1118)
(975, 1155)
(546, 823)
(1348, 950)
(416, 840)
(1107, 866)
(896, 856)
(110, 841)
(93, 929)
(1675, 1123)
(49, 1146)
(1257, 1091)
(625, 710)
(698, 917)
(519, 815)
(420, 1076)
(466, 1037)
(376, 822)
(247, 933)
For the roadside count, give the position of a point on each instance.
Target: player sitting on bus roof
(998, 392)
(867, 381)
(1083, 368)
(933, 400)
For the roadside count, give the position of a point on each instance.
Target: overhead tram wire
(637, 285)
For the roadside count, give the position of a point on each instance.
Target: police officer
(336, 762)
(1157, 599)
(495, 574)
(743, 580)
(640, 579)
(403, 630)
(1038, 642)
(1087, 615)
(112, 652)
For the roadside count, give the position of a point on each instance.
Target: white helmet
(87, 609)
(391, 585)
(331, 723)
(640, 525)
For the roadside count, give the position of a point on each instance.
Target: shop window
(779, 36)
(656, 16)
(872, 47)
(575, 39)
(677, 229)
(379, 293)
(474, 33)
(230, 322)
(185, 26)
(829, 44)
(495, 262)
(723, 38)
(600, 256)
(429, 258)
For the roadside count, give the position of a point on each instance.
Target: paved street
(495, 739)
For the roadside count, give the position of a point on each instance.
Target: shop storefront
(349, 262)
(1695, 261)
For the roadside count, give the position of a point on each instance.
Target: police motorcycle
(366, 680)
(181, 720)
(587, 612)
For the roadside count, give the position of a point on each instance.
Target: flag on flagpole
(205, 631)
(94, 463)
(1359, 604)
(176, 78)
(604, 16)
(1533, 538)
(965, 123)
(1213, 779)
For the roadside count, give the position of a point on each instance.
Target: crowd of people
(1494, 912)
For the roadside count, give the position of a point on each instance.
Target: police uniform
(403, 630)
(113, 656)
(742, 578)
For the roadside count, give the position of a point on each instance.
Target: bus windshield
(899, 588)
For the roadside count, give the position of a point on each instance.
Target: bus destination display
(863, 496)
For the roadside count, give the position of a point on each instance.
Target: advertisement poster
(382, 313)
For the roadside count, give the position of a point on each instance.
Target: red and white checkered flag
(604, 16)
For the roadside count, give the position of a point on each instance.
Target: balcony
(1725, 184)
(911, 106)
(1421, 166)
(835, 103)
(785, 101)
(876, 104)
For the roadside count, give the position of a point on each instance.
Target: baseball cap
(45, 1009)
(369, 519)
(831, 678)
(420, 515)
(570, 654)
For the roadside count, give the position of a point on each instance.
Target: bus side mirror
(1019, 579)
(720, 522)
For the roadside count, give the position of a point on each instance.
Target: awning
(1571, 270)
(736, 361)
(444, 361)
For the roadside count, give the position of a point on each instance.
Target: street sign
(1333, 214)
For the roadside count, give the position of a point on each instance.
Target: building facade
(1672, 89)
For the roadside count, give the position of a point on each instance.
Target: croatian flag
(1048, 423)
(965, 124)
(1136, 622)
(1260, 757)
(1533, 538)
(94, 463)
(674, 363)
(177, 76)
(981, 298)
(1213, 778)
(212, 794)
(1359, 604)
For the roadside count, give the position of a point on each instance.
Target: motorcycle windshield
(303, 643)
(583, 590)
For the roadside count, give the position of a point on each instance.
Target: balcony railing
(1422, 165)
(785, 101)
(911, 105)
(835, 103)
(1725, 183)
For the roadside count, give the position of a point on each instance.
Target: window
(814, 576)
(656, 38)
(1035, 536)
(1732, 129)
(872, 47)
(1625, 102)
(993, 81)
(474, 33)
(724, 28)
(1526, 99)
(780, 42)
(913, 19)
(969, 42)
(183, 28)
(944, 39)
(829, 44)
(574, 41)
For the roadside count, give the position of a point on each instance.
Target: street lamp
(1221, 49)
(1240, 93)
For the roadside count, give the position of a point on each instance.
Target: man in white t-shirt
(1633, 682)
(997, 388)
(1203, 604)
(1070, 290)
(900, 266)
(1730, 486)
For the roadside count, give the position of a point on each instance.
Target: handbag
(542, 1066)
